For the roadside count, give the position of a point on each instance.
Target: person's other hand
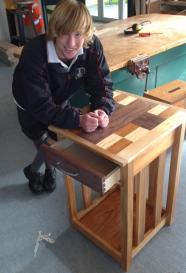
(89, 122)
(103, 119)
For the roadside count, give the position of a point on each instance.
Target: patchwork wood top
(137, 125)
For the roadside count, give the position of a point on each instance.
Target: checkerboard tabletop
(137, 124)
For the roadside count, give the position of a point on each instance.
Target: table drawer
(83, 165)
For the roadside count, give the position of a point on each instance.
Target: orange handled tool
(146, 34)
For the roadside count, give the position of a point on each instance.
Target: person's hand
(103, 119)
(89, 122)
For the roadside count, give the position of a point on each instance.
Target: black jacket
(44, 89)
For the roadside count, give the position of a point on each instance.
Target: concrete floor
(23, 215)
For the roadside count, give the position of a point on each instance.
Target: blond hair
(70, 16)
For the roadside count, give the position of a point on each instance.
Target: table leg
(140, 204)
(71, 197)
(127, 192)
(156, 178)
(87, 195)
(174, 173)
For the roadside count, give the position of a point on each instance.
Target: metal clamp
(139, 66)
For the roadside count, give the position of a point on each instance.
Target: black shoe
(49, 181)
(35, 180)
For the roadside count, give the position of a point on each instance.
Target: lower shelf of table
(102, 224)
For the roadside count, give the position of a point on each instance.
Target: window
(106, 10)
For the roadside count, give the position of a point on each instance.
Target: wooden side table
(173, 93)
(114, 161)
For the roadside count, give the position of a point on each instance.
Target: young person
(51, 69)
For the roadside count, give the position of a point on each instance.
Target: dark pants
(39, 159)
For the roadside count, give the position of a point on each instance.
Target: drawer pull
(65, 172)
(70, 174)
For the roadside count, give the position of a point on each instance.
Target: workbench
(166, 48)
(125, 164)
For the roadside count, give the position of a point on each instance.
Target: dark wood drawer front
(88, 168)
